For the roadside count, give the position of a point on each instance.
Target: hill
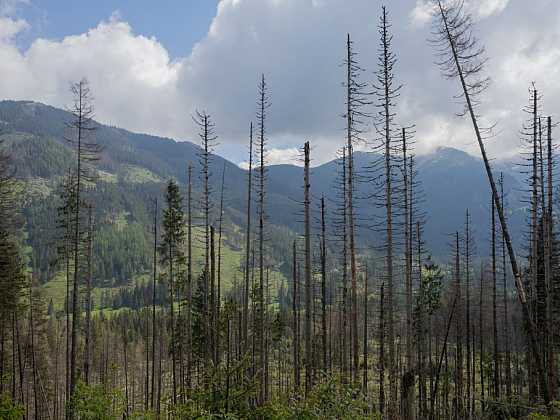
(134, 168)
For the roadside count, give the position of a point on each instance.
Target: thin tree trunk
(308, 284)
(189, 280)
(494, 310)
(381, 360)
(350, 215)
(507, 349)
(324, 285)
(154, 280)
(459, 337)
(481, 339)
(365, 337)
(468, 312)
(295, 304)
(248, 245)
(549, 252)
(89, 279)
(219, 274)
(407, 382)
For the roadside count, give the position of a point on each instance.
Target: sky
(152, 65)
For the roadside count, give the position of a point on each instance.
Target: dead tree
(248, 244)
(356, 99)
(496, 355)
(468, 254)
(189, 277)
(324, 331)
(86, 151)
(89, 286)
(381, 356)
(154, 284)
(507, 350)
(459, 406)
(208, 140)
(308, 279)
(365, 335)
(263, 105)
(386, 91)
(461, 57)
(295, 328)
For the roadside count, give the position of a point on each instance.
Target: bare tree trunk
(494, 310)
(308, 284)
(172, 323)
(248, 245)
(263, 104)
(365, 343)
(154, 284)
(189, 280)
(459, 337)
(324, 286)
(549, 252)
(407, 396)
(350, 215)
(381, 359)
(507, 349)
(468, 313)
(219, 284)
(89, 279)
(295, 309)
(481, 339)
(344, 331)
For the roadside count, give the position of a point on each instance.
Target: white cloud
(480, 9)
(278, 156)
(487, 8)
(299, 45)
(422, 12)
(9, 28)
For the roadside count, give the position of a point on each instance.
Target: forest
(351, 315)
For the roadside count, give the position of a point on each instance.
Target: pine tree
(171, 250)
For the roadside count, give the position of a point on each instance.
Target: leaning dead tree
(462, 58)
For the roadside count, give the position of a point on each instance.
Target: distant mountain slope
(134, 167)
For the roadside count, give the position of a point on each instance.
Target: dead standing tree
(460, 56)
(86, 151)
(386, 91)
(356, 100)
(263, 104)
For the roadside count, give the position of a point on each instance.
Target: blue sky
(177, 24)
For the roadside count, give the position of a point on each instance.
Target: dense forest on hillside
(145, 278)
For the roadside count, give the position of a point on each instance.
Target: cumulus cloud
(278, 156)
(299, 45)
(480, 9)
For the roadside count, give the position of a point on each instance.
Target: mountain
(134, 168)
